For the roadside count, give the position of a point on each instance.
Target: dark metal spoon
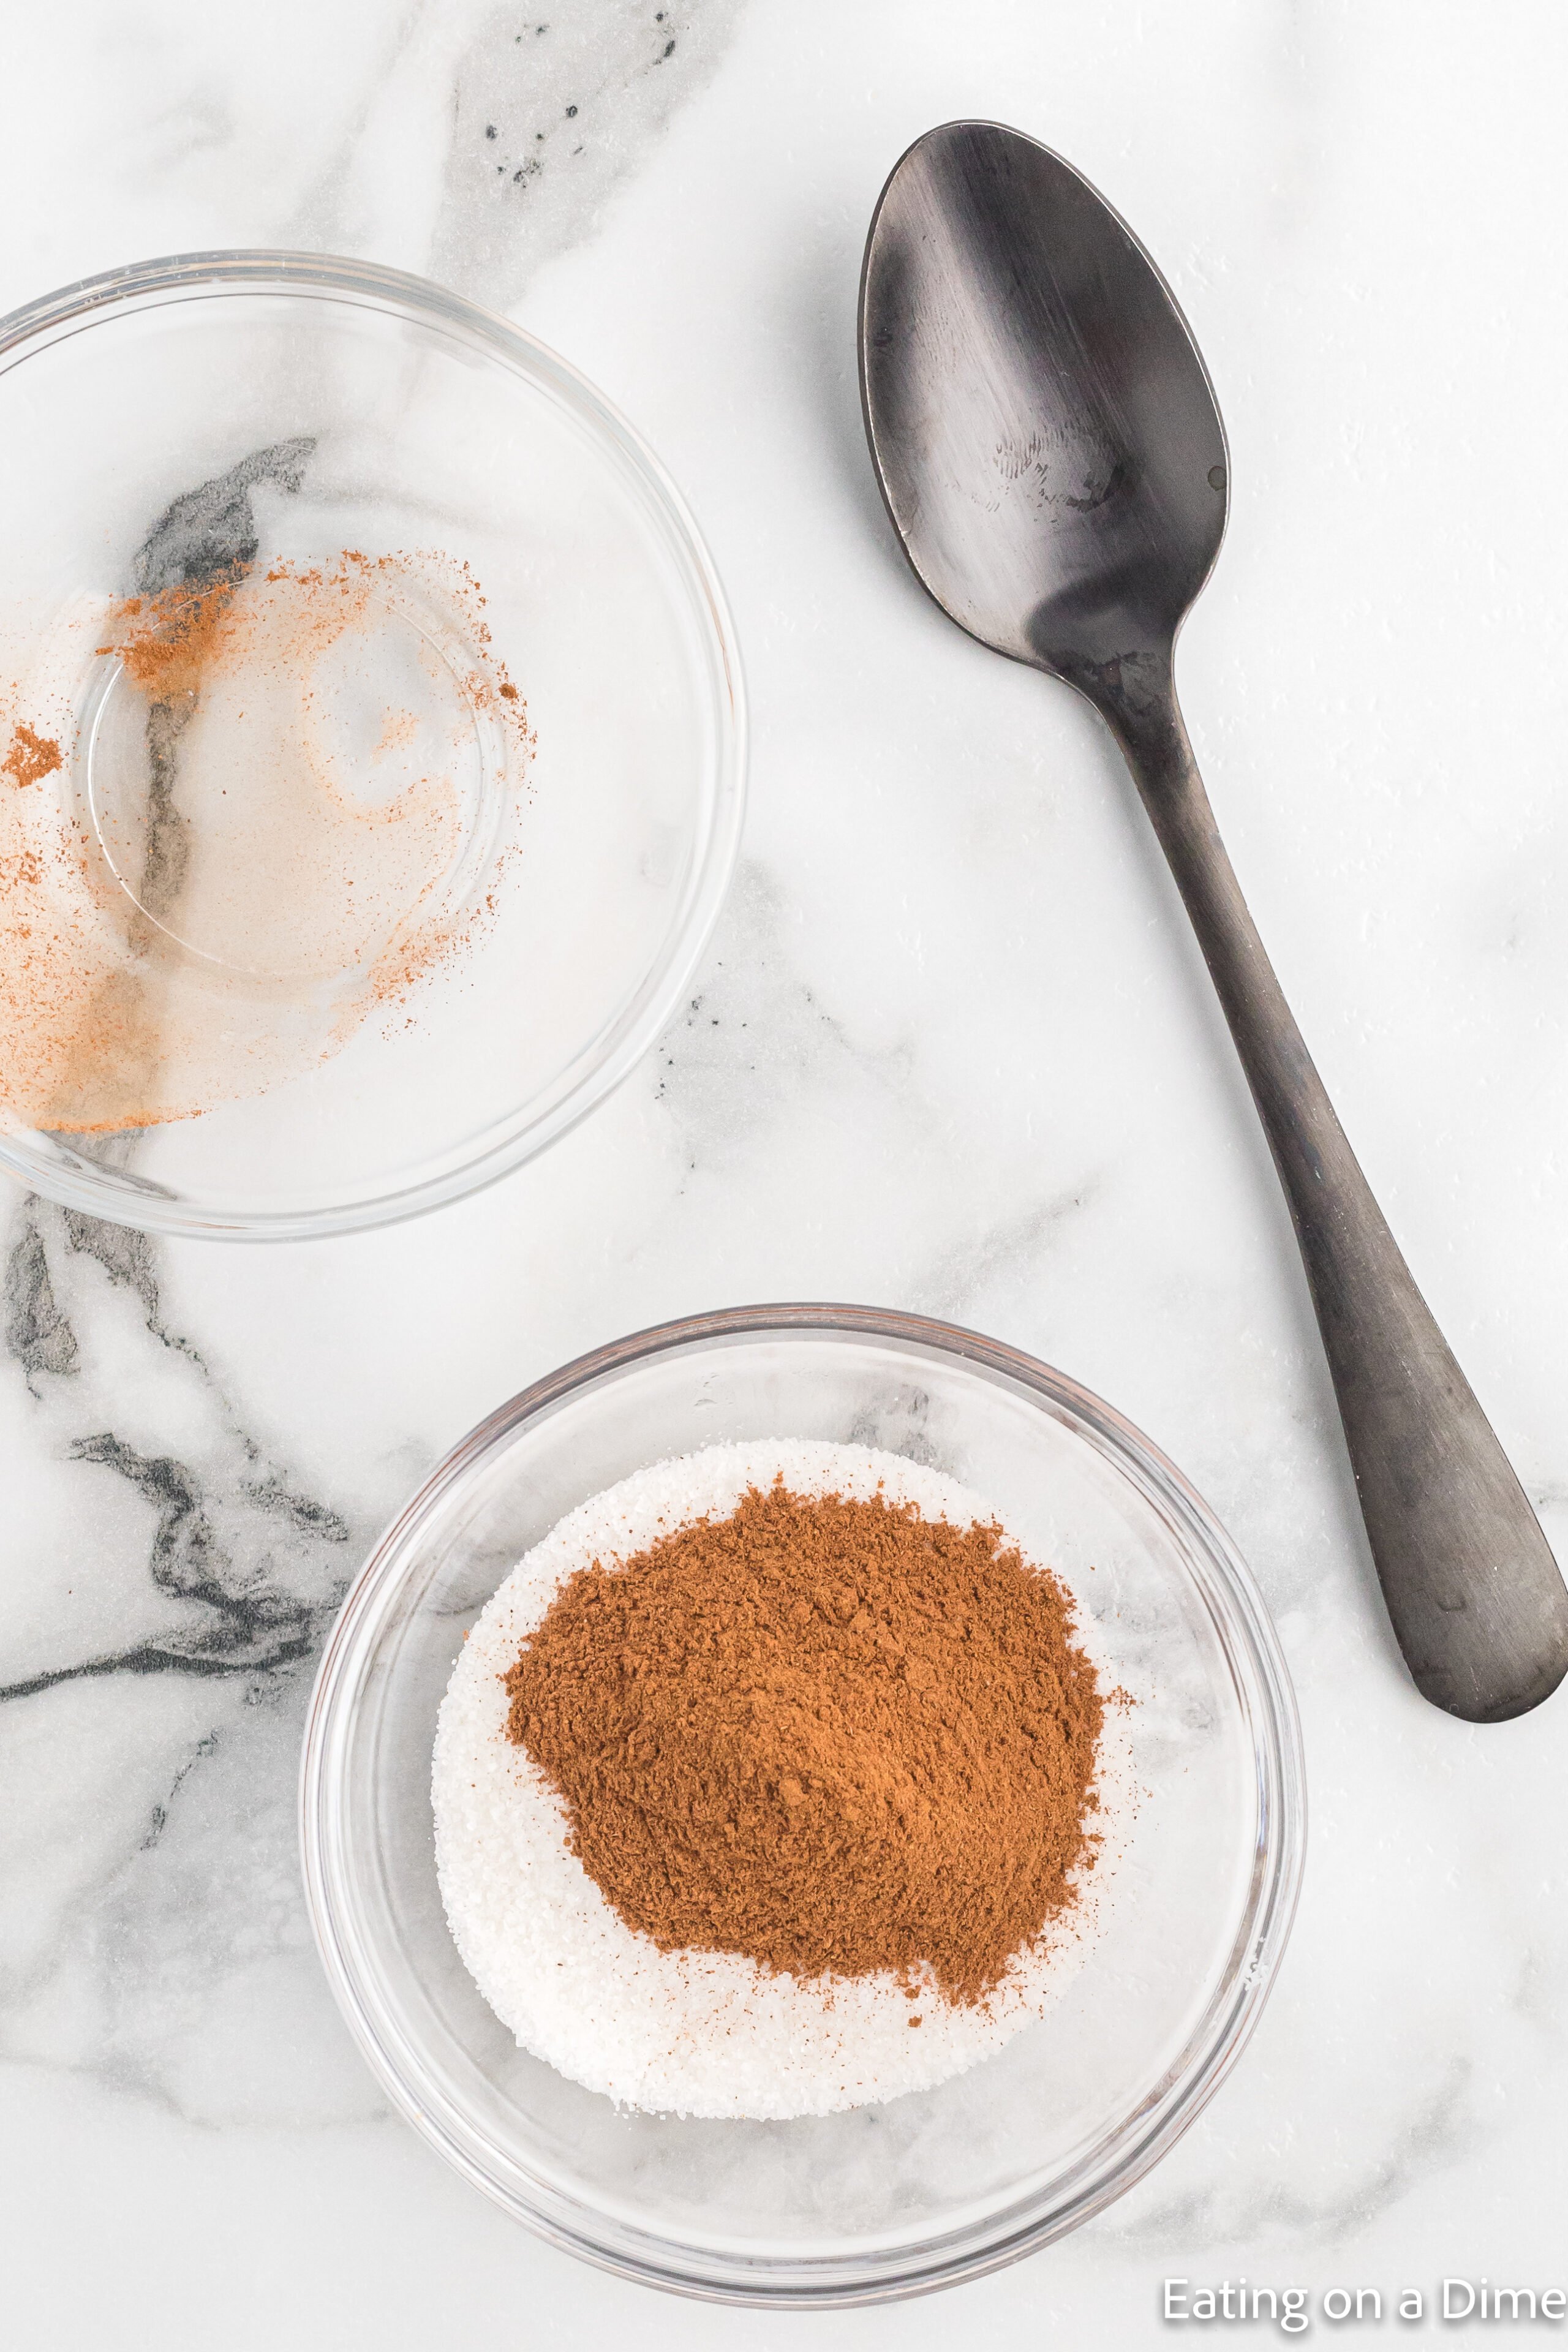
(1052, 457)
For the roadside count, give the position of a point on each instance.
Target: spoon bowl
(1046, 438)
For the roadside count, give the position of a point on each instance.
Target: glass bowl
(279, 418)
(921, 2190)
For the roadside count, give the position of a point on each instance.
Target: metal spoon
(1052, 457)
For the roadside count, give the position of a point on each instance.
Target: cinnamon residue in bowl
(287, 811)
(830, 1735)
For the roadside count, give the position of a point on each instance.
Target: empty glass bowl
(921, 2191)
(373, 676)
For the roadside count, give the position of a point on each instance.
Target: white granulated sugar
(696, 2033)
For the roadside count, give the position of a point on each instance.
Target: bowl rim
(970, 2249)
(72, 309)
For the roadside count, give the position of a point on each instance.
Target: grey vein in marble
(186, 1890)
(254, 1564)
(1437, 2129)
(1004, 1252)
(538, 116)
(202, 540)
(755, 1010)
(553, 110)
(210, 533)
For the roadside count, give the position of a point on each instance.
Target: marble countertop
(952, 1050)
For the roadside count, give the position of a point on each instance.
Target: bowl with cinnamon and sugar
(371, 746)
(803, 1807)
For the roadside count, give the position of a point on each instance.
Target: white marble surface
(979, 1074)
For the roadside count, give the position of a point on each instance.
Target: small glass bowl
(929, 2189)
(357, 408)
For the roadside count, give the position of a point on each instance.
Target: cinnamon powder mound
(829, 1735)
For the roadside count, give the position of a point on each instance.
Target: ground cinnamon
(828, 1734)
(31, 757)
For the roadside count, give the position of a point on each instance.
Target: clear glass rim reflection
(1126, 2151)
(192, 277)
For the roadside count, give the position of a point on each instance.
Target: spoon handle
(1478, 1605)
